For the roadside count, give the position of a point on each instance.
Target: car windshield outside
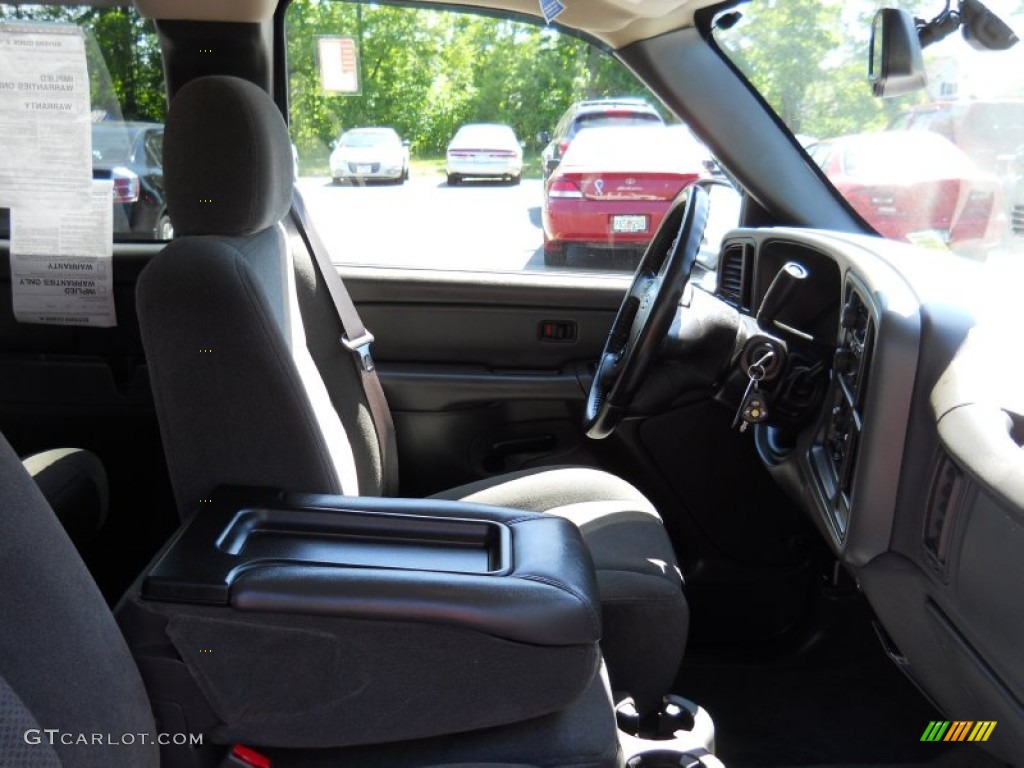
(810, 63)
(368, 138)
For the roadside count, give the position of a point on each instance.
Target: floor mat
(840, 702)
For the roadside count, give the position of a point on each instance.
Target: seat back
(238, 395)
(64, 665)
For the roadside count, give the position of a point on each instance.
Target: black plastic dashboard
(912, 464)
(859, 314)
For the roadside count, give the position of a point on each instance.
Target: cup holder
(681, 734)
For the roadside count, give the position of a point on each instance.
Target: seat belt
(356, 340)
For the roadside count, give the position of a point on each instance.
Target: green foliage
(423, 72)
(808, 58)
(123, 55)
(427, 72)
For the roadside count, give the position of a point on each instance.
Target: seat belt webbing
(356, 339)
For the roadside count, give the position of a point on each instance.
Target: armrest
(298, 621)
(519, 575)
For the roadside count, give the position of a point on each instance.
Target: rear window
(645, 148)
(913, 155)
(598, 119)
(110, 145)
(485, 133)
(1001, 125)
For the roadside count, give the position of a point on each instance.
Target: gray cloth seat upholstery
(71, 695)
(63, 662)
(252, 387)
(74, 483)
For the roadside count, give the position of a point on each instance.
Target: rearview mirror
(895, 65)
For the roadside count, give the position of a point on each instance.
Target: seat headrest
(227, 159)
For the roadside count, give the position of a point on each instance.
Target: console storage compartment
(297, 620)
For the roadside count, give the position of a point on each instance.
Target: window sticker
(551, 9)
(44, 116)
(62, 262)
(339, 64)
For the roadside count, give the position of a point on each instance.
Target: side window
(127, 96)
(470, 96)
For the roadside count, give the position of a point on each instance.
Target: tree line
(426, 72)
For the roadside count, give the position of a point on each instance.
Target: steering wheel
(646, 312)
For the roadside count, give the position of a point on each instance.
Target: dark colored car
(131, 154)
(593, 114)
(613, 188)
(910, 185)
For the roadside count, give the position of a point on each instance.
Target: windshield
(944, 165)
(110, 144)
(367, 139)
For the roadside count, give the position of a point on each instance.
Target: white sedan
(486, 151)
(370, 153)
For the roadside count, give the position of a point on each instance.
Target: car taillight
(126, 185)
(564, 189)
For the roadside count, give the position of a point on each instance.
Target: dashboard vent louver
(732, 275)
(943, 502)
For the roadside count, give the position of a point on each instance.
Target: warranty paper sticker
(62, 263)
(44, 116)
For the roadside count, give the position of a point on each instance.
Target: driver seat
(252, 387)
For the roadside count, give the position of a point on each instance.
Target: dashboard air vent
(946, 493)
(732, 272)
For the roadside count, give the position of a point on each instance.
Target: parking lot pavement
(426, 223)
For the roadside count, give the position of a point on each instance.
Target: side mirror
(543, 137)
(896, 65)
(406, 143)
(333, 144)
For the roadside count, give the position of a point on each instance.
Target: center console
(304, 621)
(835, 452)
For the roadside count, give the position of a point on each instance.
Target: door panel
(475, 387)
(475, 393)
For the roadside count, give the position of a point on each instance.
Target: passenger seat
(74, 484)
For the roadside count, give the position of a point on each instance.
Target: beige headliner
(616, 22)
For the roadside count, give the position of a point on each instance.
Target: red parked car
(612, 189)
(914, 185)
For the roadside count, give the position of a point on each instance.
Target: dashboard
(906, 450)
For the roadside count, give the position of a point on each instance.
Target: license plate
(363, 169)
(629, 223)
